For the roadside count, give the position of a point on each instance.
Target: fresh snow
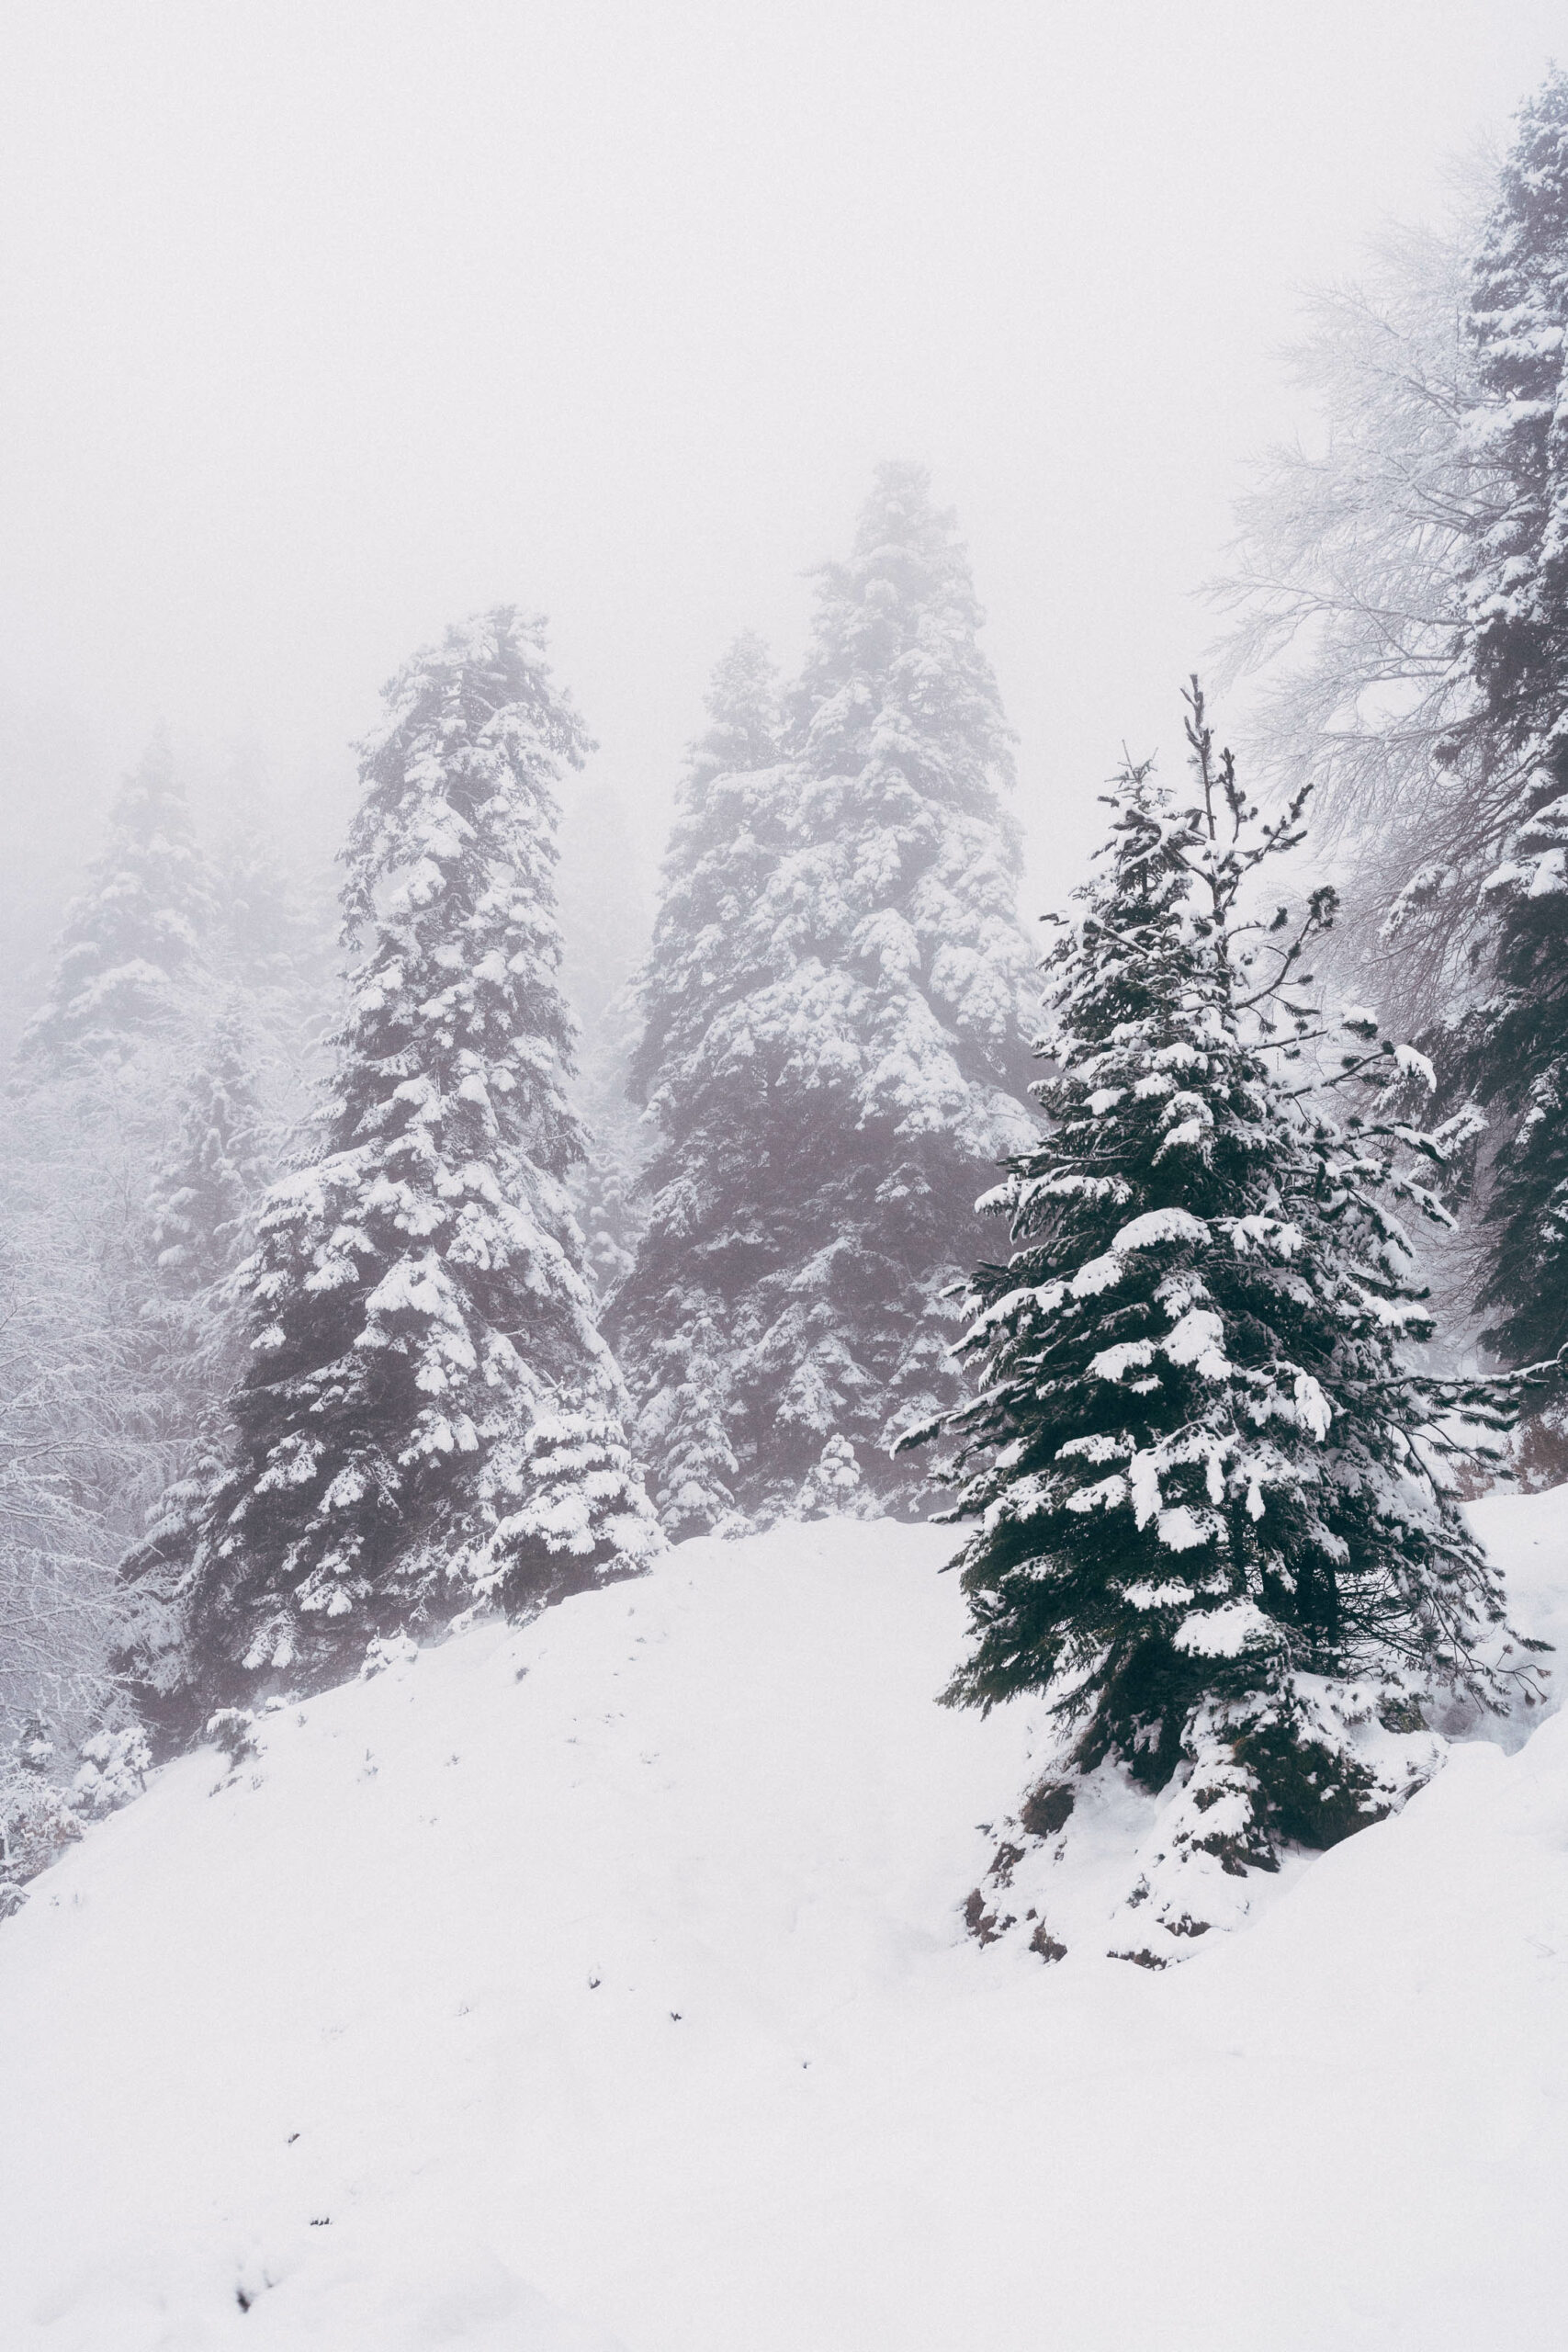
(604, 1983)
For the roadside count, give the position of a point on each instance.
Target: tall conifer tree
(1211, 1526)
(839, 1057)
(269, 943)
(605, 912)
(430, 1417)
(671, 1319)
(133, 940)
(201, 1210)
(209, 1182)
(1518, 646)
(1511, 1050)
(189, 1340)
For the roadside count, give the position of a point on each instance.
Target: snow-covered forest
(783, 1530)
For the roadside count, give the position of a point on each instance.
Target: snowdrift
(604, 1986)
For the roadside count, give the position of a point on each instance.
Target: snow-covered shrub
(35, 1751)
(37, 1822)
(387, 1652)
(233, 1730)
(115, 1765)
(834, 1487)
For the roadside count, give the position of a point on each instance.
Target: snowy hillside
(605, 1985)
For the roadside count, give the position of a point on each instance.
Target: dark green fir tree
(1213, 1525)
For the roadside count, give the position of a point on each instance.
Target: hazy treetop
(326, 324)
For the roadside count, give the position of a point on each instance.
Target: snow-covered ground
(604, 1983)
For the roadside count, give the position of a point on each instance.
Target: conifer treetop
(894, 682)
(744, 719)
(732, 814)
(135, 936)
(891, 919)
(450, 865)
(268, 930)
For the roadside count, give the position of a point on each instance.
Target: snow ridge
(604, 1983)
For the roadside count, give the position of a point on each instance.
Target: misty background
(325, 326)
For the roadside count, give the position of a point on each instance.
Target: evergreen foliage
(833, 1045)
(605, 928)
(430, 1417)
(684, 1426)
(93, 1405)
(1213, 1523)
(134, 943)
(113, 1771)
(1519, 319)
(671, 1319)
(204, 1193)
(1511, 1048)
(1417, 568)
(729, 833)
(201, 1227)
(37, 1822)
(135, 1147)
(268, 942)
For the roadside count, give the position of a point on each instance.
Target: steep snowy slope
(604, 1985)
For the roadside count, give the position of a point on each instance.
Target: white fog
(784, 1228)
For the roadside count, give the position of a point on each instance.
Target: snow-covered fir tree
(1417, 568)
(1212, 1520)
(430, 1417)
(1519, 319)
(61, 1381)
(130, 1134)
(133, 945)
(672, 1318)
(213, 1175)
(606, 914)
(268, 940)
(728, 833)
(835, 1025)
(742, 737)
(201, 1227)
(1511, 1048)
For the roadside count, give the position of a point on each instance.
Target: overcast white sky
(324, 324)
